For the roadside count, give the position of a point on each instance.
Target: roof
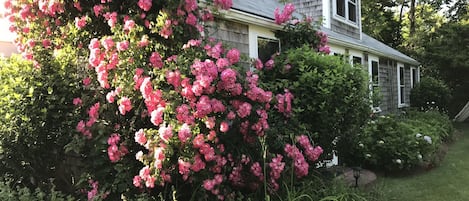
(266, 8)
(261, 8)
(369, 44)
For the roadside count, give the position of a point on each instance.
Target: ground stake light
(356, 174)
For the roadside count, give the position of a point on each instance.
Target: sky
(5, 34)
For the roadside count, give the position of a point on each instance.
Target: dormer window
(346, 10)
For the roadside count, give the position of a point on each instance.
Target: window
(262, 43)
(341, 56)
(373, 71)
(400, 85)
(352, 10)
(340, 6)
(266, 47)
(346, 10)
(414, 77)
(356, 60)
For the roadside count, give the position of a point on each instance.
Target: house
(249, 26)
(7, 46)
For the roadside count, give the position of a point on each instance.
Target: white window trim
(326, 13)
(399, 95)
(254, 33)
(417, 70)
(345, 19)
(335, 49)
(372, 58)
(354, 53)
(370, 70)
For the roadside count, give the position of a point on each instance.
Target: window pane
(414, 76)
(352, 12)
(402, 95)
(401, 76)
(266, 48)
(374, 71)
(356, 60)
(340, 7)
(341, 56)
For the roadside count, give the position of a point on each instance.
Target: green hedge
(9, 193)
(430, 94)
(404, 142)
(36, 121)
(331, 98)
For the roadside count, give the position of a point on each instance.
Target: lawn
(447, 182)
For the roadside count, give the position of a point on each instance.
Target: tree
(426, 21)
(380, 22)
(459, 11)
(445, 56)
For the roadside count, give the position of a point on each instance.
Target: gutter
(241, 16)
(370, 50)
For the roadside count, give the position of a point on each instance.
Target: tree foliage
(380, 22)
(445, 57)
(36, 116)
(436, 39)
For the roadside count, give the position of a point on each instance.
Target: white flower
(420, 156)
(139, 156)
(418, 135)
(361, 145)
(398, 161)
(428, 139)
(381, 142)
(368, 155)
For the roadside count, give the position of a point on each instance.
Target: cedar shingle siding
(345, 29)
(234, 34)
(312, 8)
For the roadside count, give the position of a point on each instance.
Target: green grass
(447, 182)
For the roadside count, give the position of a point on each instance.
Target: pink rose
(145, 4)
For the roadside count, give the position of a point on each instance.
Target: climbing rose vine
(167, 106)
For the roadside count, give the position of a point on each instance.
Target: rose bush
(163, 111)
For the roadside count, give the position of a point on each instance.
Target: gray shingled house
(249, 26)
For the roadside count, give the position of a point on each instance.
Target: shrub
(330, 96)
(9, 193)
(434, 122)
(303, 32)
(430, 94)
(164, 111)
(395, 143)
(327, 189)
(36, 117)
